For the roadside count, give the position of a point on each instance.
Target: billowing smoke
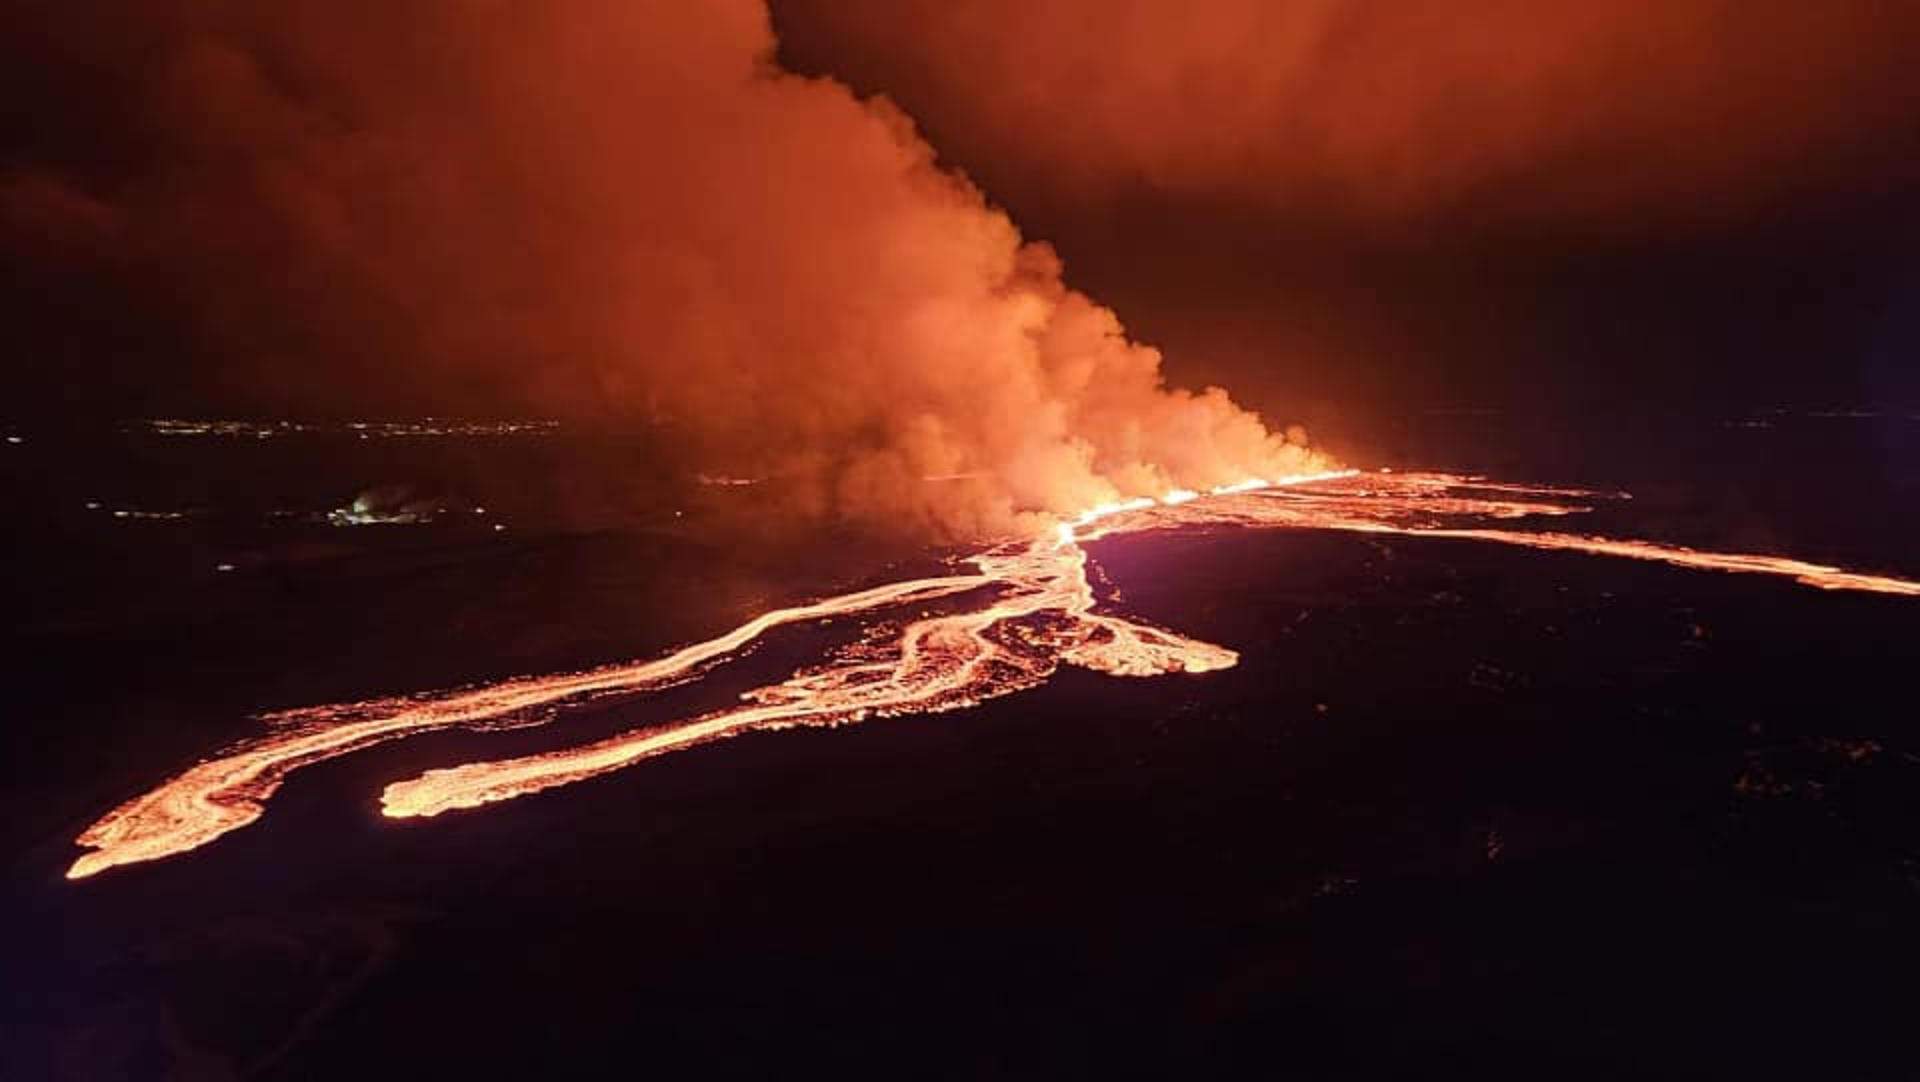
(619, 208)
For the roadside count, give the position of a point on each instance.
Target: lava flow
(1036, 611)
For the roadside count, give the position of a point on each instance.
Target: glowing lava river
(1023, 610)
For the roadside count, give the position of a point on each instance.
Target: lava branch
(1041, 614)
(230, 791)
(1822, 576)
(939, 663)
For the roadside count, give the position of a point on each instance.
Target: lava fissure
(1038, 611)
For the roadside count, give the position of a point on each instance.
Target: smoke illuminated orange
(1036, 610)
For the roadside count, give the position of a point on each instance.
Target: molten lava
(1036, 611)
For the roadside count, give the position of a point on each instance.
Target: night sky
(1684, 205)
(1338, 211)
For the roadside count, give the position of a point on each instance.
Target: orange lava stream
(1820, 575)
(1045, 617)
(1415, 505)
(1039, 613)
(226, 793)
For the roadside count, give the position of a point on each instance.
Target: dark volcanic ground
(1459, 810)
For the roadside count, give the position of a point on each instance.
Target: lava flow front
(1035, 610)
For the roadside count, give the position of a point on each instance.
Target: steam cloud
(623, 208)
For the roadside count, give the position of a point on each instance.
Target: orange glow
(1037, 611)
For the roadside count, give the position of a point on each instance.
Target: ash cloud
(622, 210)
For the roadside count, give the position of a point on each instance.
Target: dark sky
(1683, 204)
(1335, 209)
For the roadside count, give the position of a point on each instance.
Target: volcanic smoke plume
(614, 209)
